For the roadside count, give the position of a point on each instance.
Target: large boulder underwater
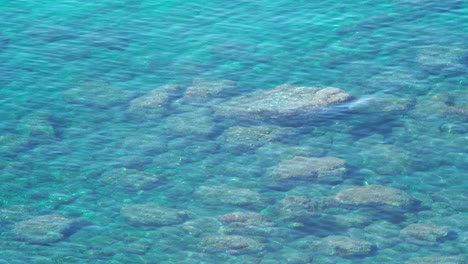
(284, 104)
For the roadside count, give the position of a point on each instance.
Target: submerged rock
(425, 232)
(44, 229)
(221, 195)
(273, 153)
(132, 161)
(138, 247)
(344, 246)
(295, 208)
(96, 94)
(381, 104)
(383, 233)
(242, 219)
(453, 128)
(154, 104)
(247, 223)
(197, 123)
(430, 106)
(399, 82)
(439, 59)
(373, 196)
(437, 259)
(151, 214)
(246, 138)
(37, 126)
(234, 245)
(203, 90)
(353, 220)
(386, 159)
(202, 226)
(283, 104)
(12, 144)
(461, 110)
(291, 256)
(130, 179)
(15, 213)
(324, 170)
(145, 144)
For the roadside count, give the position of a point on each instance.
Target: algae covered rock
(353, 220)
(155, 103)
(297, 208)
(250, 137)
(234, 245)
(385, 103)
(344, 246)
(15, 213)
(373, 196)
(247, 223)
(323, 170)
(460, 110)
(202, 226)
(426, 232)
(96, 94)
(295, 257)
(274, 152)
(37, 126)
(387, 159)
(44, 229)
(204, 89)
(441, 58)
(437, 259)
(453, 128)
(151, 214)
(131, 179)
(197, 123)
(222, 195)
(283, 103)
(241, 219)
(145, 144)
(11, 144)
(395, 81)
(430, 106)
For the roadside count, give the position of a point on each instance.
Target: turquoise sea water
(70, 70)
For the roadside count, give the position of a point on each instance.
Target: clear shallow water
(58, 139)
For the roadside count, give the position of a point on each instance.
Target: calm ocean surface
(117, 144)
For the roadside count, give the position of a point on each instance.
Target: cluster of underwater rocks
(244, 233)
(258, 224)
(249, 232)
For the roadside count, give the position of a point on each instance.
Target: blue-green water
(69, 72)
